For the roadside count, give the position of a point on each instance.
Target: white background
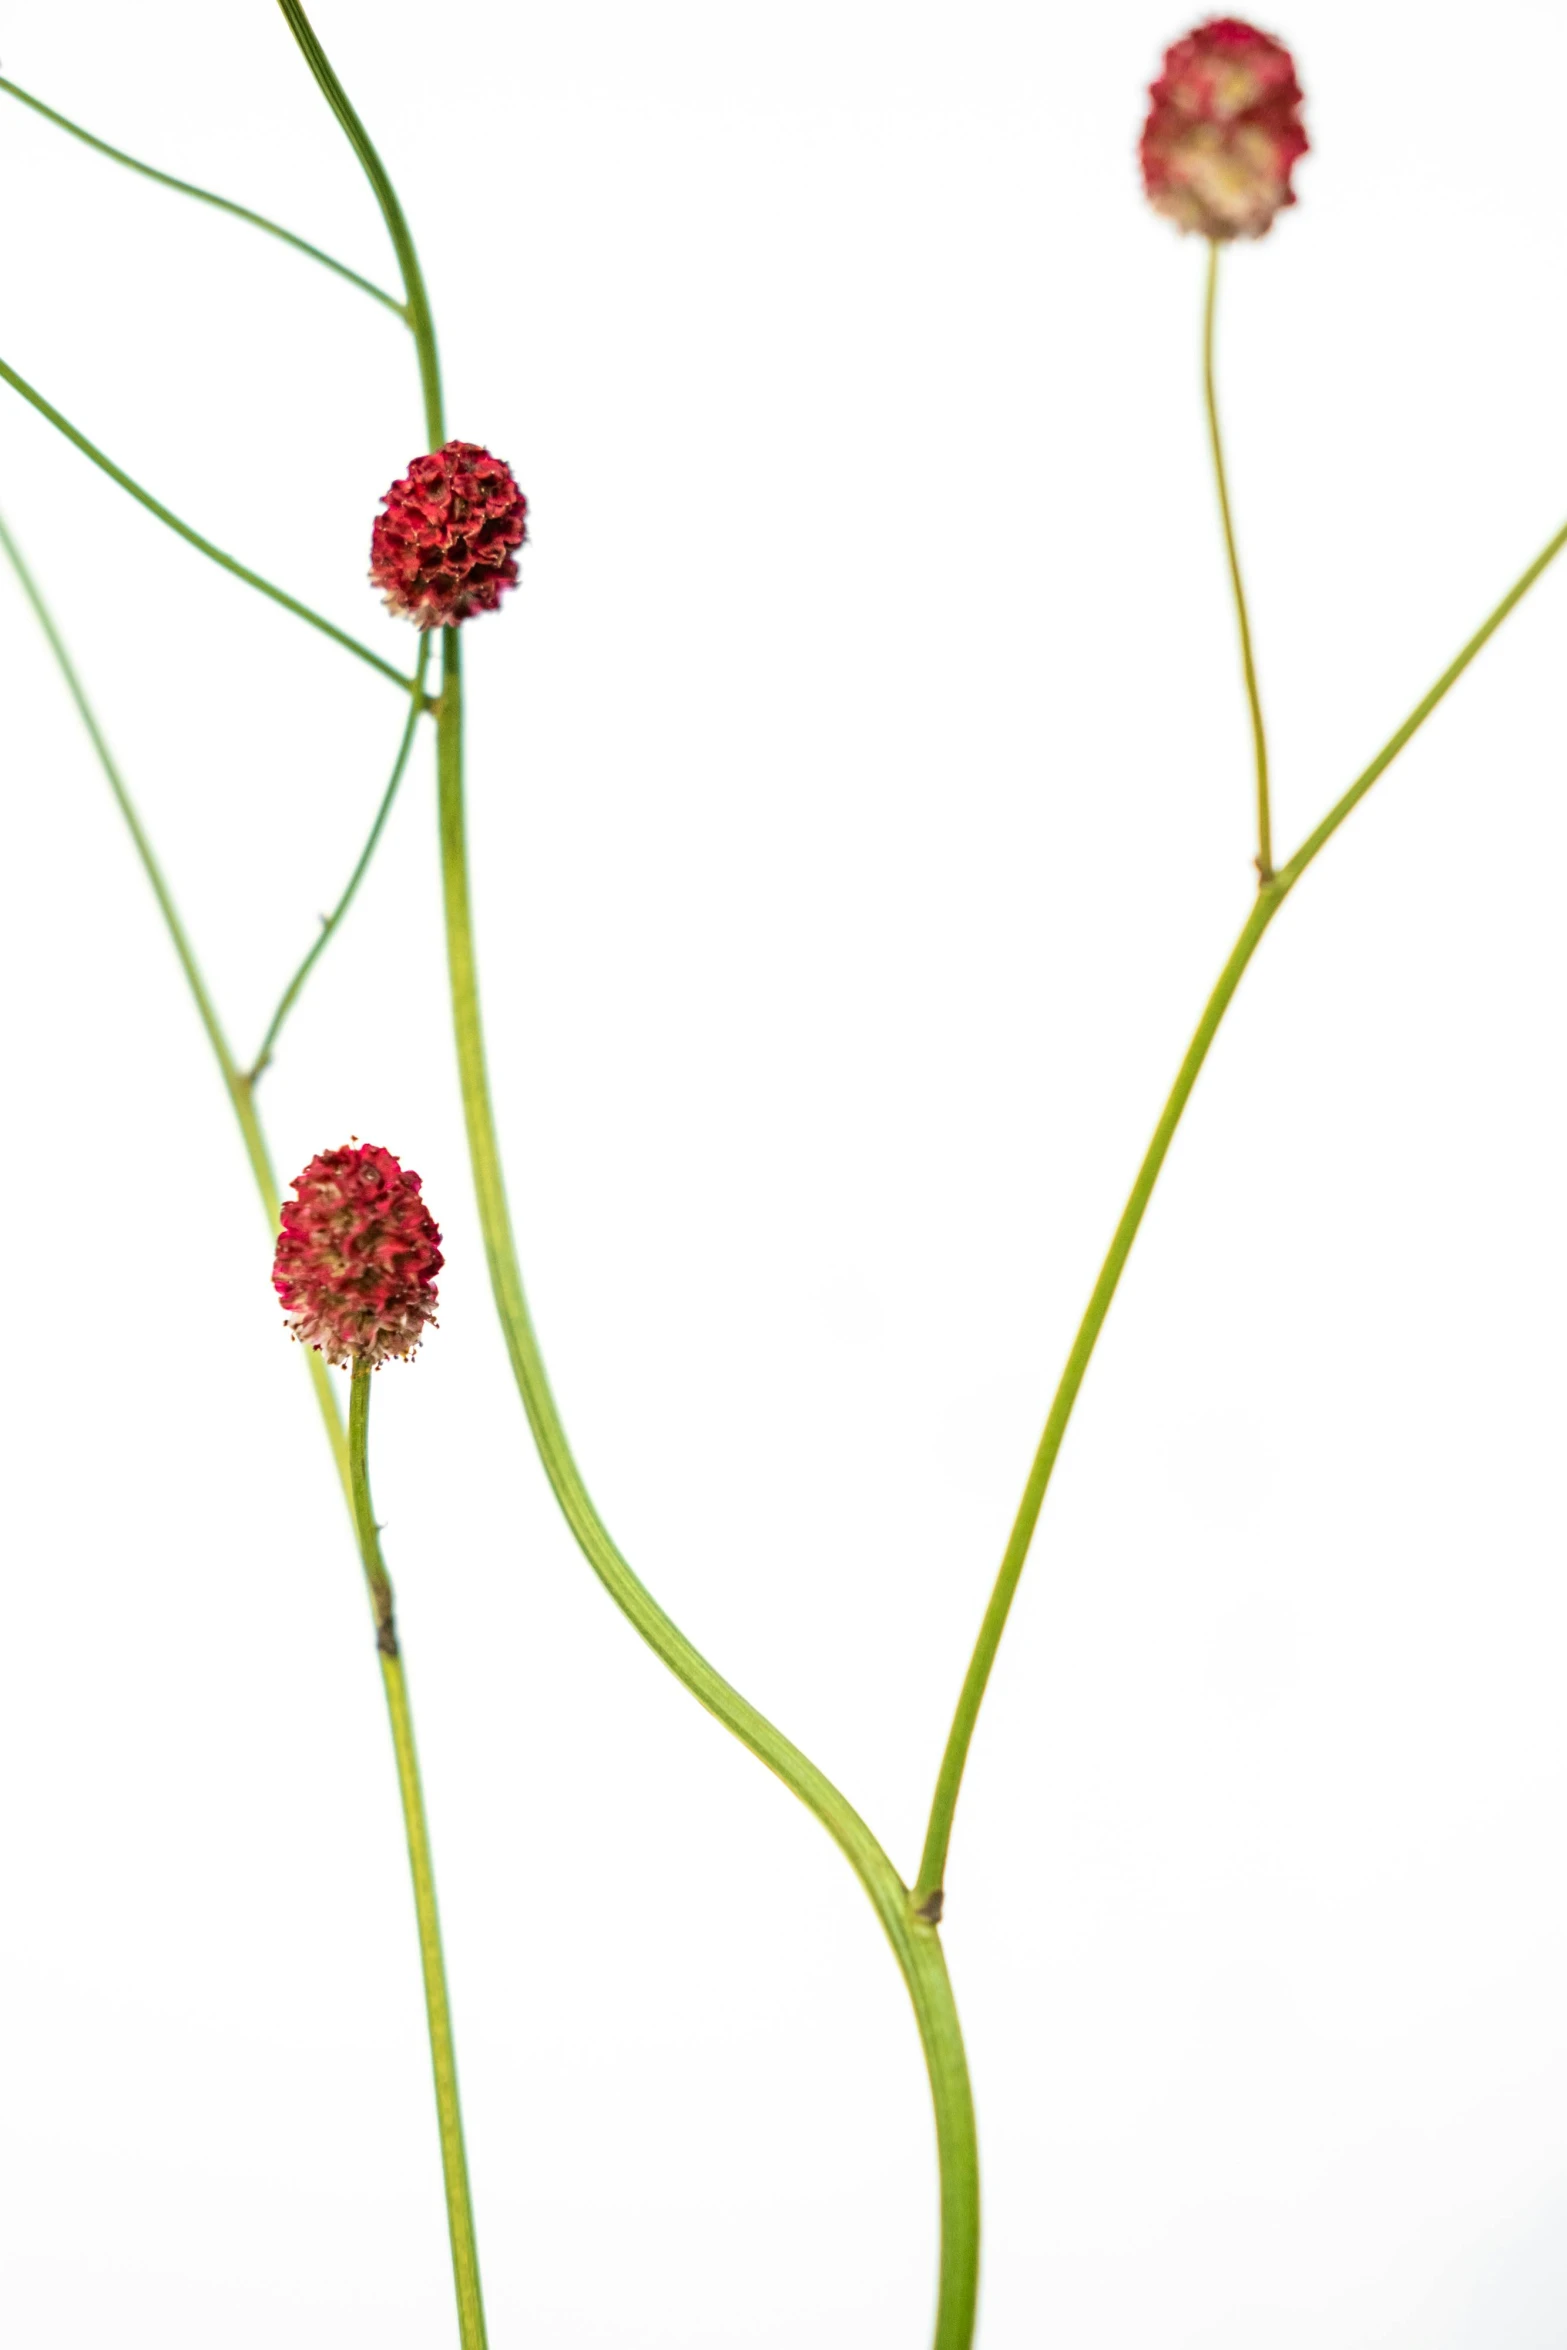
(861, 812)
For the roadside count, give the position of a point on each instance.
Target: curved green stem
(914, 1941)
(417, 301)
(913, 1938)
(437, 2000)
(330, 921)
(204, 196)
(933, 1863)
(339, 636)
(1248, 664)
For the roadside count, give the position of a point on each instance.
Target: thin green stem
(928, 1887)
(915, 1943)
(331, 921)
(437, 1999)
(417, 301)
(1248, 663)
(204, 196)
(194, 538)
(1314, 843)
(235, 1085)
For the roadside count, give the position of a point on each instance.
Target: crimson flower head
(446, 546)
(357, 1257)
(1224, 131)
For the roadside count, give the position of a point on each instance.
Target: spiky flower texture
(357, 1257)
(1224, 131)
(446, 545)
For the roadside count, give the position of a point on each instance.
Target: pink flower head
(1224, 131)
(446, 546)
(357, 1256)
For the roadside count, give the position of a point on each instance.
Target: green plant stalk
(915, 1942)
(1248, 662)
(928, 1887)
(416, 299)
(339, 636)
(331, 921)
(203, 196)
(437, 2000)
(235, 1084)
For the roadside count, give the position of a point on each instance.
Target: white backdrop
(862, 811)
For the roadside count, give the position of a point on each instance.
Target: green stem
(915, 1943)
(203, 196)
(194, 538)
(330, 922)
(417, 301)
(933, 1863)
(1248, 664)
(437, 2000)
(913, 1938)
(235, 1084)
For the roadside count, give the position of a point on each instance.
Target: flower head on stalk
(357, 1257)
(1224, 131)
(446, 545)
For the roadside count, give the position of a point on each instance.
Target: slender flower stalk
(166, 179)
(443, 2053)
(1248, 661)
(330, 922)
(204, 546)
(928, 1888)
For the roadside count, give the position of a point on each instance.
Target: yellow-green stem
(1259, 736)
(930, 1883)
(437, 2000)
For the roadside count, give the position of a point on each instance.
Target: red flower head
(357, 1256)
(1224, 131)
(446, 546)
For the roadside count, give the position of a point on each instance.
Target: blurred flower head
(357, 1257)
(1224, 131)
(446, 545)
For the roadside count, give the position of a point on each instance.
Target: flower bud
(445, 547)
(1224, 131)
(357, 1257)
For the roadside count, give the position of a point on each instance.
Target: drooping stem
(331, 921)
(929, 1885)
(203, 196)
(1248, 662)
(443, 2053)
(204, 546)
(235, 1084)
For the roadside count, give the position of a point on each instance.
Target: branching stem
(915, 1942)
(235, 1084)
(339, 636)
(331, 921)
(933, 1864)
(243, 212)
